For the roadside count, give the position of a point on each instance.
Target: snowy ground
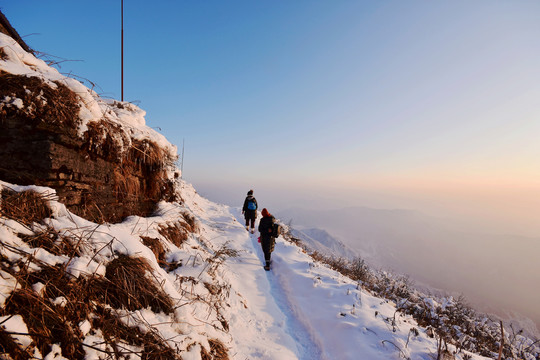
(301, 309)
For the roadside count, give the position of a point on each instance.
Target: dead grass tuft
(9, 346)
(130, 288)
(154, 347)
(26, 207)
(218, 351)
(191, 221)
(47, 323)
(226, 251)
(86, 298)
(50, 240)
(44, 105)
(177, 233)
(156, 245)
(219, 256)
(157, 248)
(212, 289)
(3, 55)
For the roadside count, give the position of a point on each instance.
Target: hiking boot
(247, 228)
(267, 267)
(252, 230)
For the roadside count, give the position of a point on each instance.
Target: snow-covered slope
(320, 240)
(298, 310)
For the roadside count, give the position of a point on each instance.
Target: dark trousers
(250, 218)
(267, 244)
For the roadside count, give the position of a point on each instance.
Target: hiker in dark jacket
(250, 210)
(267, 240)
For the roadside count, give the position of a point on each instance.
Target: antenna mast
(122, 50)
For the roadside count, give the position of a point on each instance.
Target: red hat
(265, 213)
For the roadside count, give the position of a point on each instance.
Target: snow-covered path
(301, 309)
(308, 348)
(268, 329)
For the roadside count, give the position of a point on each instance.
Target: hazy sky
(431, 105)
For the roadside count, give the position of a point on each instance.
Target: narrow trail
(295, 327)
(308, 349)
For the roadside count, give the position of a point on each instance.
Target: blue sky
(419, 104)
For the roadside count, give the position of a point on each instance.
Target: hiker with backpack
(250, 210)
(269, 229)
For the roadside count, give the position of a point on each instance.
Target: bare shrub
(26, 207)
(359, 270)
(219, 256)
(355, 269)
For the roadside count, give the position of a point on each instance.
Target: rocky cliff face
(102, 160)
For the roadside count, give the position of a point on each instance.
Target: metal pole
(122, 60)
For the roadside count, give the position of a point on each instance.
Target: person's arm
(245, 206)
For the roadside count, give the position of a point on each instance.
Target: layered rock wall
(100, 175)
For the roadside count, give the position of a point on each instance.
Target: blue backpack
(251, 205)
